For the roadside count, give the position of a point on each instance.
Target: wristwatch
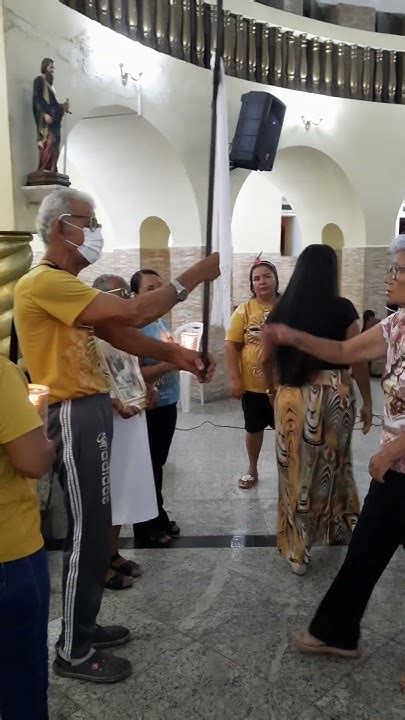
(181, 292)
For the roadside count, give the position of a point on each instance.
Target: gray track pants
(82, 431)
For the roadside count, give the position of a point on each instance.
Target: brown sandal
(247, 481)
(129, 568)
(309, 645)
(117, 582)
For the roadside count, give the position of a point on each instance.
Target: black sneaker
(172, 528)
(110, 636)
(101, 667)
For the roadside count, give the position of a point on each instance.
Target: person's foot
(172, 528)
(110, 636)
(310, 645)
(298, 568)
(129, 568)
(156, 540)
(116, 581)
(247, 481)
(101, 667)
(401, 681)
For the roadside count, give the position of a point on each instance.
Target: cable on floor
(238, 427)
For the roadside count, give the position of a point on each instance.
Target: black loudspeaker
(258, 131)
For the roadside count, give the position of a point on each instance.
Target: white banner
(221, 221)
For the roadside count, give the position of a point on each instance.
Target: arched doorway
(154, 252)
(333, 236)
(135, 173)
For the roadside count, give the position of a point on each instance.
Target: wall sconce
(125, 77)
(308, 122)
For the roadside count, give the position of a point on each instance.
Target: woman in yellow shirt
(24, 586)
(243, 350)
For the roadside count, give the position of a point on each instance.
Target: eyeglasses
(92, 221)
(123, 293)
(394, 271)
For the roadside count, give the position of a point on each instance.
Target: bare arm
(232, 354)
(154, 372)
(31, 454)
(143, 309)
(369, 345)
(362, 378)
(135, 342)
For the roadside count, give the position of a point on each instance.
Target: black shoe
(110, 636)
(172, 528)
(101, 667)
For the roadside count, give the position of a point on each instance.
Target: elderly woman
(133, 497)
(335, 629)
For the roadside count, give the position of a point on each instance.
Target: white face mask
(92, 244)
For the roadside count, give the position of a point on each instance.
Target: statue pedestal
(36, 193)
(46, 177)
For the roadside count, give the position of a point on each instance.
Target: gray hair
(55, 204)
(103, 282)
(397, 245)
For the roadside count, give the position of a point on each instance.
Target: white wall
(135, 174)
(176, 101)
(256, 221)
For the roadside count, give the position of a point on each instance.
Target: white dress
(132, 487)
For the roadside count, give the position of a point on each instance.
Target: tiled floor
(211, 627)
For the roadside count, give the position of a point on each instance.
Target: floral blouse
(393, 382)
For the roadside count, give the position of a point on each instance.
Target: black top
(341, 315)
(295, 367)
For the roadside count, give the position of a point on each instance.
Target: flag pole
(211, 181)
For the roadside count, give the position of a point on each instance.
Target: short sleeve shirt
(20, 533)
(56, 353)
(393, 383)
(168, 385)
(246, 328)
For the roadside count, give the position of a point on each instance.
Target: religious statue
(48, 113)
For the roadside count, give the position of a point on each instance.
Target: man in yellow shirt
(24, 581)
(56, 317)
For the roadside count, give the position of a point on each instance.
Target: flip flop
(304, 645)
(247, 481)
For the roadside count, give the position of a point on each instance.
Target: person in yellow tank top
(24, 585)
(243, 350)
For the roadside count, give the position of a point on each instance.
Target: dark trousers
(161, 423)
(82, 430)
(379, 532)
(24, 607)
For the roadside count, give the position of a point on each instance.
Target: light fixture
(125, 77)
(308, 122)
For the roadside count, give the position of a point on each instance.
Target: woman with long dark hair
(243, 350)
(315, 410)
(335, 628)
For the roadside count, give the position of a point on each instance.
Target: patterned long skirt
(318, 499)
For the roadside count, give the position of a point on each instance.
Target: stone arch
(318, 190)
(133, 172)
(332, 235)
(154, 251)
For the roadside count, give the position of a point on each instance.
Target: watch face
(182, 295)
